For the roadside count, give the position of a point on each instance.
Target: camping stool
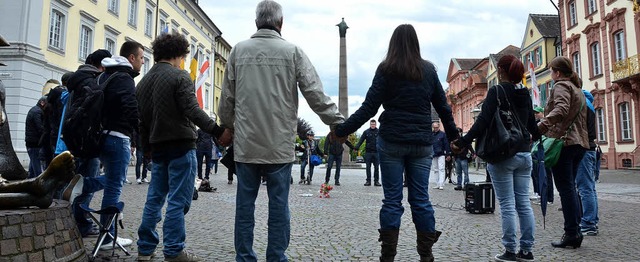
(112, 213)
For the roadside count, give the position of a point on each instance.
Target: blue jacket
(440, 144)
(407, 109)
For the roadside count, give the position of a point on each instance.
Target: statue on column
(342, 27)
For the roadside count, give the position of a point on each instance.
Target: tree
(302, 128)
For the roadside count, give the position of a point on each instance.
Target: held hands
(456, 147)
(333, 137)
(226, 138)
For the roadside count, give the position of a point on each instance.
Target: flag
(535, 98)
(202, 77)
(193, 67)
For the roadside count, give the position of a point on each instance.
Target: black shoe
(302, 181)
(524, 256)
(367, 184)
(507, 256)
(377, 184)
(337, 183)
(458, 188)
(573, 241)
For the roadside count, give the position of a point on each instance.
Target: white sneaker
(139, 181)
(441, 188)
(127, 181)
(436, 187)
(144, 180)
(125, 242)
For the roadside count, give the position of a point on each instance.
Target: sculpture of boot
(425, 243)
(38, 191)
(389, 239)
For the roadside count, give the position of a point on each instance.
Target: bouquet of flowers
(324, 190)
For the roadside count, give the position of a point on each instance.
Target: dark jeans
(564, 174)
(141, 162)
(207, 161)
(372, 158)
(302, 166)
(35, 165)
(338, 160)
(230, 175)
(214, 164)
(87, 167)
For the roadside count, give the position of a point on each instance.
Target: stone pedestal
(34, 234)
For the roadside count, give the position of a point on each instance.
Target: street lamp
(475, 112)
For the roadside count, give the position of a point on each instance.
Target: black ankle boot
(425, 243)
(573, 241)
(389, 239)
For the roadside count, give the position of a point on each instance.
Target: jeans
(173, 181)
(302, 166)
(462, 167)
(141, 162)
(586, 184)
(415, 162)
(438, 170)
(372, 158)
(214, 165)
(207, 162)
(338, 160)
(115, 156)
(596, 168)
(549, 184)
(564, 174)
(279, 221)
(89, 169)
(511, 180)
(35, 165)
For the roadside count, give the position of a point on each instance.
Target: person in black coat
(34, 128)
(204, 149)
(371, 152)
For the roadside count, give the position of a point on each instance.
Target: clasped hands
(457, 146)
(226, 138)
(333, 137)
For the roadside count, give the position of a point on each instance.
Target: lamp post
(474, 113)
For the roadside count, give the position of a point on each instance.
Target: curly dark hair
(169, 46)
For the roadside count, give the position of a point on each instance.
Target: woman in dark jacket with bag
(510, 176)
(407, 86)
(566, 116)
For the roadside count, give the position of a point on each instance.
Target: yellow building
(51, 37)
(223, 49)
(538, 48)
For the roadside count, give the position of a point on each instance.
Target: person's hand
(333, 137)
(455, 147)
(226, 138)
(448, 158)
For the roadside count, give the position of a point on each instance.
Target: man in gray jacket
(260, 104)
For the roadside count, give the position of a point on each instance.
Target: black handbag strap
(515, 116)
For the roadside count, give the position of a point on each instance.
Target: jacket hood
(84, 73)
(116, 61)
(520, 93)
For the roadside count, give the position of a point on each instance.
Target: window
(206, 98)
(621, 52)
(538, 56)
(133, 12)
(576, 63)
(146, 66)
(164, 27)
(148, 22)
(592, 7)
(86, 39)
(56, 30)
(526, 59)
(600, 124)
(625, 121)
(595, 59)
(110, 45)
(573, 20)
(113, 6)
(543, 94)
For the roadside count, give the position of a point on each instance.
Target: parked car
(359, 159)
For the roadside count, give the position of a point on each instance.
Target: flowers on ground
(324, 190)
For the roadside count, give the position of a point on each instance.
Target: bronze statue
(38, 191)
(10, 167)
(342, 26)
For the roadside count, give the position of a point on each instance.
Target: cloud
(446, 29)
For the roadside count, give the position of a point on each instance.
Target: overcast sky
(446, 29)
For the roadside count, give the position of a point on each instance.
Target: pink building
(467, 80)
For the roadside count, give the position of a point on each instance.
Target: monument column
(343, 93)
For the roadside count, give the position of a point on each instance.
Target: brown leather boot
(389, 239)
(425, 242)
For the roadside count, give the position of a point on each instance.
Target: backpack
(82, 125)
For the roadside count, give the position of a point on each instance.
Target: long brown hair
(565, 67)
(403, 58)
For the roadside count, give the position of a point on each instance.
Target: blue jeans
(302, 166)
(511, 179)
(89, 169)
(596, 168)
(338, 160)
(586, 184)
(279, 222)
(462, 167)
(115, 157)
(372, 158)
(415, 162)
(141, 162)
(173, 181)
(564, 174)
(35, 165)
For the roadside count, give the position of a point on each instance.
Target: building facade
(602, 38)
(223, 49)
(538, 49)
(51, 37)
(467, 88)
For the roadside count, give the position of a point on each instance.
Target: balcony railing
(626, 68)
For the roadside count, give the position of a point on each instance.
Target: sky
(446, 29)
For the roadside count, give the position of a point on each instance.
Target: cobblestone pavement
(344, 227)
